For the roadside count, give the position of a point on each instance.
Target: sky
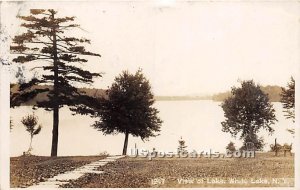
(184, 48)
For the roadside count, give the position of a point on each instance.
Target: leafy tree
(129, 108)
(30, 122)
(182, 147)
(247, 111)
(288, 100)
(59, 57)
(230, 147)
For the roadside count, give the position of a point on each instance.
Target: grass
(28, 170)
(196, 172)
(159, 172)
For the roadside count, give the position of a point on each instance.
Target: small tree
(288, 102)
(182, 147)
(129, 108)
(231, 147)
(248, 111)
(30, 122)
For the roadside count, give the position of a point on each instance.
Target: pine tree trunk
(55, 132)
(55, 96)
(125, 143)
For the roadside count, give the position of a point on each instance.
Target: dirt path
(29, 170)
(64, 178)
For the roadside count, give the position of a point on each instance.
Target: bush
(231, 147)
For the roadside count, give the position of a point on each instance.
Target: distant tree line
(274, 94)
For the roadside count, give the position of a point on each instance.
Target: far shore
(188, 98)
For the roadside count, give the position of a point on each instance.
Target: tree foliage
(129, 108)
(57, 54)
(59, 58)
(288, 100)
(248, 111)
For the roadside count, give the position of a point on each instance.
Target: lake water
(198, 122)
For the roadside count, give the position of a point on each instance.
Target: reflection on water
(198, 122)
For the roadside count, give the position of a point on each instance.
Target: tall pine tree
(59, 57)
